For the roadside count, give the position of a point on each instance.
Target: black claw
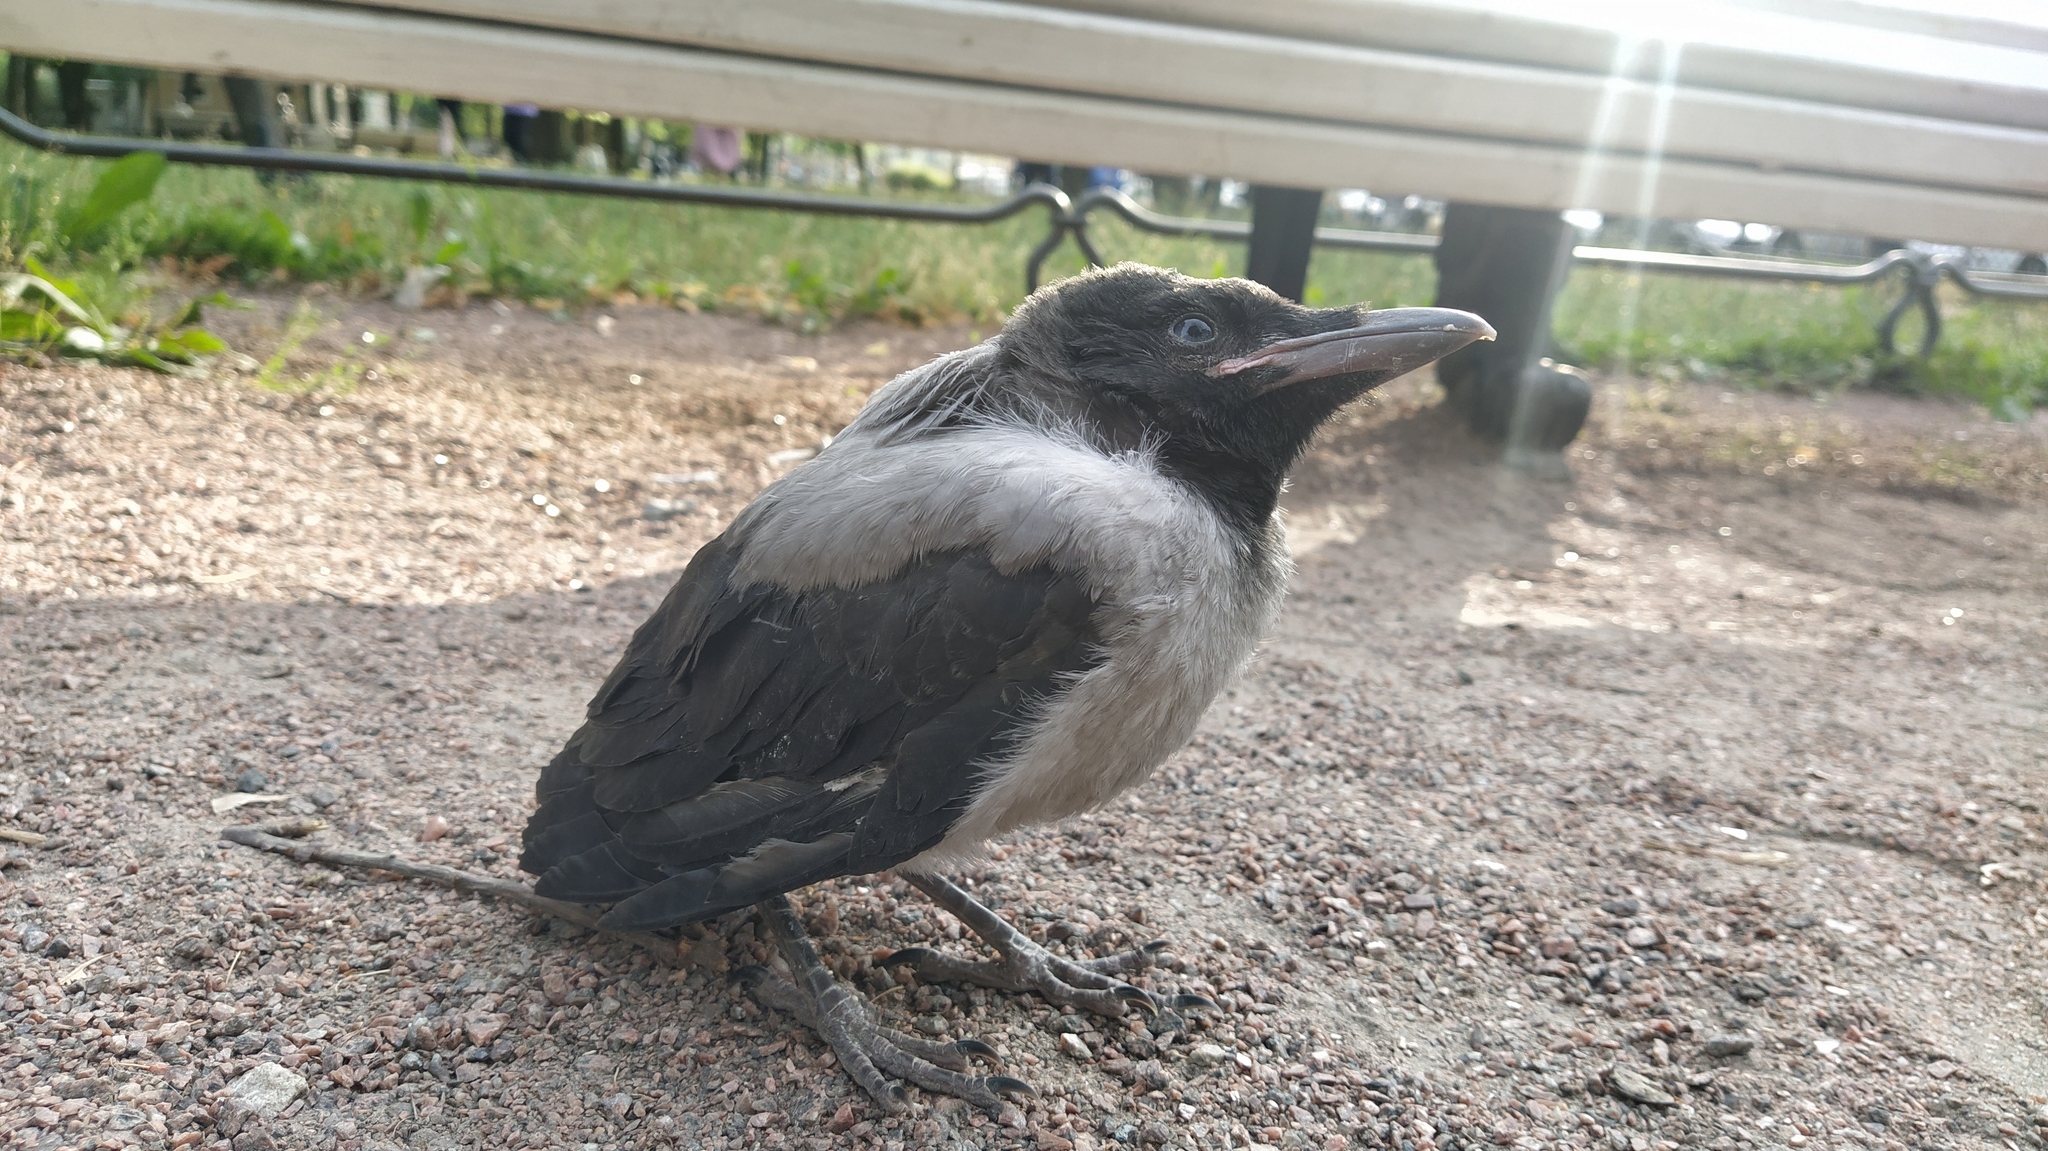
(1156, 946)
(1004, 1085)
(898, 1096)
(976, 1049)
(750, 976)
(909, 955)
(1193, 1003)
(1137, 997)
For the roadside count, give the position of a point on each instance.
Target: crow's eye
(1192, 330)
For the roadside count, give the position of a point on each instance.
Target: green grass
(813, 270)
(1804, 336)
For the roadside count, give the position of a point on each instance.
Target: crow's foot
(1089, 984)
(874, 1055)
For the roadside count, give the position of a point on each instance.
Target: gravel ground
(1694, 799)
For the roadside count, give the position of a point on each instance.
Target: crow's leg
(1090, 984)
(874, 1055)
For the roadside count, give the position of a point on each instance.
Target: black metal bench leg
(1507, 264)
(1283, 231)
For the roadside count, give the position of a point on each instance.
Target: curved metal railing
(540, 180)
(1921, 272)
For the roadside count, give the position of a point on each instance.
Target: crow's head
(1224, 378)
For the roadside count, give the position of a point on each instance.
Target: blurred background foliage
(123, 241)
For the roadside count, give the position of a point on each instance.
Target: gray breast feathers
(1183, 602)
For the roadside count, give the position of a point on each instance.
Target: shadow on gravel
(1422, 505)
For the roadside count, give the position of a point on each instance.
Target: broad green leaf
(166, 349)
(14, 292)
(201, 342)
(39, 329)
(148, 360)
(35, 268)
(187, 344)
(129, 182)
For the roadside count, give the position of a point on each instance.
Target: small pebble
(251, 781)
(659, 509)
(1074, 1047)
(267, 1089)
(483, 1029)
(1634, 1086)
(434, 828)
(1725, 1046)
(842, 1119)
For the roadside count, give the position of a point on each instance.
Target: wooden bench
(1859, 116)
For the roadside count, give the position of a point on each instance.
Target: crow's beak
(1387, 344)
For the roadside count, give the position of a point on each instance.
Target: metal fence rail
(1920, 271)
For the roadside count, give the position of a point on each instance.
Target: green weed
(338, 378)
(126, 183)
(41, 314)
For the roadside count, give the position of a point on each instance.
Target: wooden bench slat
(1989, 71)
(1065, 51)
(476, 61)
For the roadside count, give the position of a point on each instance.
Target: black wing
(753, 740)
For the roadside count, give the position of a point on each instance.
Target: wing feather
(753, 740)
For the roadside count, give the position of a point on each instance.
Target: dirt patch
(1695, 798)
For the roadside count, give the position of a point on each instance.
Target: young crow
(1003, 595)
